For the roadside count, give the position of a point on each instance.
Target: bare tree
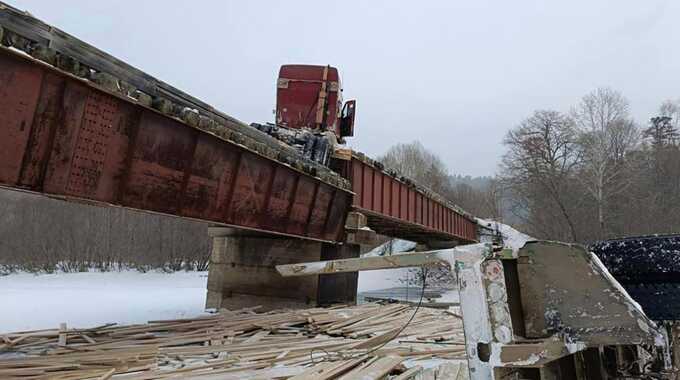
(414, 161)
(607, 135)
(661, 131)
(671, 109)
(484, 202)
(538, 166)
(607, 181)
(426, 168)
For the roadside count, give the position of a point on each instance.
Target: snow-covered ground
(386, 278)
(382, 279)
(29, 301)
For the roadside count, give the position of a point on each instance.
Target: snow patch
(385, 278)
(381, 279)
(449, 296)
(31, 302)
(512, 238)
(394, 246)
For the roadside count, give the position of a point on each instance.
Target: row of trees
(594, 173)
(588, 174)
(40, 234)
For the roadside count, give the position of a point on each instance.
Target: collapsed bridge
(78, 124)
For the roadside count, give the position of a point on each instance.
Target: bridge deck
(65, 136)
(396, 208)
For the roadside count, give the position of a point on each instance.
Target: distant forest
(40, 234)
(593, 172)
(480, 196)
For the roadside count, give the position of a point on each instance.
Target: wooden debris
(342, 153)
(449, 371)
(405, 260)
(349, 342)
(376, 370)
(62, 334)
(410, 373)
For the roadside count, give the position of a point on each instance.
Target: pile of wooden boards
(369, 341)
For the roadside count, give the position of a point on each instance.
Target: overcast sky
(455, 75)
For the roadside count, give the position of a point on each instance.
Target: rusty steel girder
(66, 137)
(403, 210)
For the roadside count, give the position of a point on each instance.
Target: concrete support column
(339, 287)
(243, 274)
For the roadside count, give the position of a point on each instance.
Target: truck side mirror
(347, 118)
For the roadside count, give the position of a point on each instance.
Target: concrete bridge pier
(242, 272)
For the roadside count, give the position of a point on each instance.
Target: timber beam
(419, 259)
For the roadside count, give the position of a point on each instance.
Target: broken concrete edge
(644, 323)
(598, 268)
(512, 239)
(533, 354)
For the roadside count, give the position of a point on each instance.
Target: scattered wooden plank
(380, 339)
(410, 373)
(315, 343)
(376, 370)
(342, 153)
(62, 334)
(428, 374)
(448, 371)
(108, 374)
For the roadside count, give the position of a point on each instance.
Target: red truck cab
(310, 97)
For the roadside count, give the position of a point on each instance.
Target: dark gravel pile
(648, 267)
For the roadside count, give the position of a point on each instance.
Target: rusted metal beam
(67, 137)
(400, 208)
